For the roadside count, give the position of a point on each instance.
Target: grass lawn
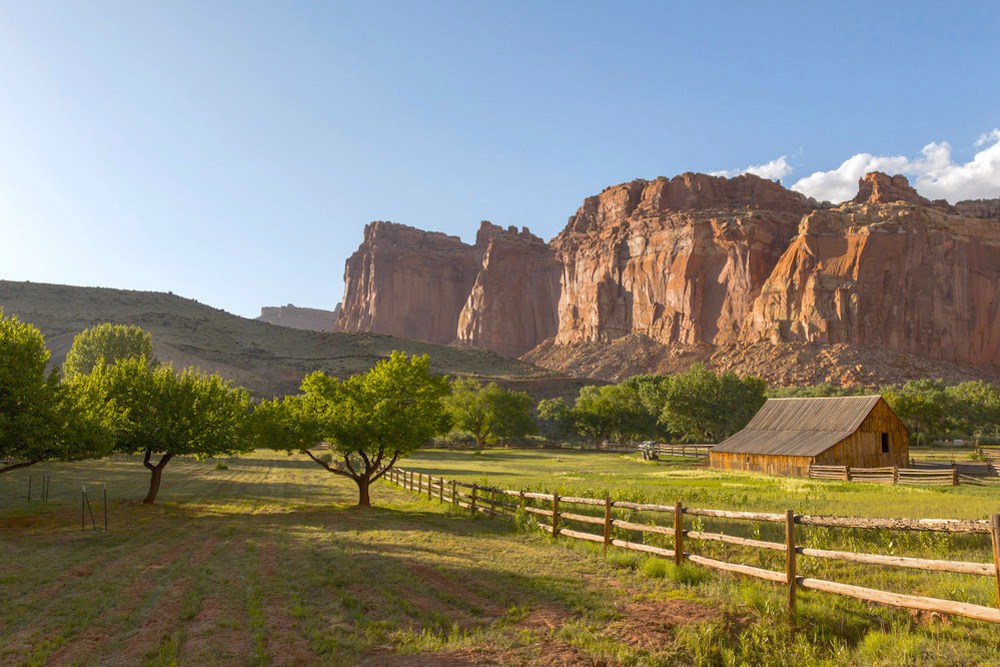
(267, 562)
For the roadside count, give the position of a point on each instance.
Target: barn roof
(800, 426)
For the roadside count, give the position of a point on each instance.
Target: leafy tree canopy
(369, 421)
(156, 411)
(489, 412)
(105, 344)
(40, 418)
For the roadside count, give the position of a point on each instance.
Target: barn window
(885, 443)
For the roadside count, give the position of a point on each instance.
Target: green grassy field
(267, 562)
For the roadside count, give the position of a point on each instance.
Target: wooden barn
(788, 434)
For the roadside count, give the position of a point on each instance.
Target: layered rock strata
(703, 267)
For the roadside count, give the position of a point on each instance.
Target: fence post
(790, 559)
(995, 534)
(678, 534)
(430, 486)
(555, 515)
(895, 474)
(847, 473)
(607, 524)
(954, 475)
(493, 503)
(454, 496)
(472, 506)
(441, 490)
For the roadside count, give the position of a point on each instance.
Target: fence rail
(942, 475)
(683, 450)
(485, 500)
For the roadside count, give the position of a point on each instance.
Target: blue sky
(233, 151)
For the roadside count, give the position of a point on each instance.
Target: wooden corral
(789, 434)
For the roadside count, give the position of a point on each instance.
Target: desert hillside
(268, 359)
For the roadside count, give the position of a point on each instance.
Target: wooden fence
(943, 476)
(505, 503)
(700, 451)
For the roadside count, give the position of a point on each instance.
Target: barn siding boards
(788, 435)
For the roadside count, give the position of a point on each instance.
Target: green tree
(158, 412)
(924, 406)
(40, 418)
(612, 412)
(975, 408)
(370, 421)
(105, 344)
(704, 407)
(555, 419)
(488, 412)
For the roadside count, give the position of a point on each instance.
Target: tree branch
(145, 459)
(387, 467)
(347, 461)
(336, 471)
(23, 464)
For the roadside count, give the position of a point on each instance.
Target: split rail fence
(700, 451)
(505, 503)
(954, 475)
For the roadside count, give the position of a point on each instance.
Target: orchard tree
(370, 421)
(158, 412)
(555, 418)
(704, 407)
(488, 412)
(105, 344)
(40, 418)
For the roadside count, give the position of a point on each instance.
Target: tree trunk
(156, 474)
(154, 485)
(363, 499)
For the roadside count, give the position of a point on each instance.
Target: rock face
(738, 273)
(679, 260)
(913, 279)
(310, 319)
(498, 294)
(408, 283)
(979, 208)
(512, 305)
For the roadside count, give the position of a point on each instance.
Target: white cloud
(775, 169)
(934, 173)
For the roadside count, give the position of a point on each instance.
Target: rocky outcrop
(913, 279)
(988, 209)
(656, 274)
(879, 188)
(512, 305)
(678, 260)
(310, 319)
(498, 294)
(408, 283)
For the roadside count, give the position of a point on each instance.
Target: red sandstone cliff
(890, 272)
(512, 305)
(406, 282)
(741, 273)
(679, 260)
(499, 294)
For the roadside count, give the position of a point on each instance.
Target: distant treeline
(699, 406)
(931, 409)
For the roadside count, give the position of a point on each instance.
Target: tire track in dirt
(164, 617)
(443, 586)
(26, 639)
(88, 642)
(285, 643)
(218, 633)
